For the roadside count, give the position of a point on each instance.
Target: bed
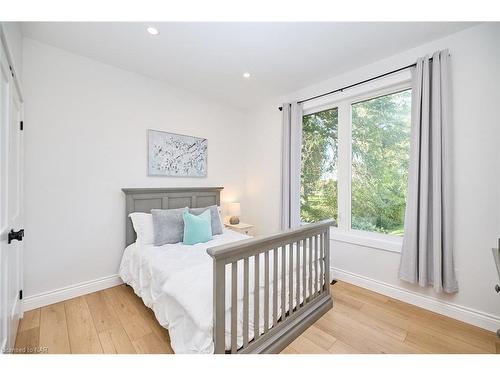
(233, 294)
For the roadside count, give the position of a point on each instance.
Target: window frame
(344, 101)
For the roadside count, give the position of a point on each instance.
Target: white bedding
(175, 280)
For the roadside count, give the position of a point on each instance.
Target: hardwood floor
(116, 321)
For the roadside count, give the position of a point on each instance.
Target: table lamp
(234, 212)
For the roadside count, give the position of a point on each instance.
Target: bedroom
(156, 174)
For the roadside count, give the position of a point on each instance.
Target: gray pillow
(214, 213)
(168, 225)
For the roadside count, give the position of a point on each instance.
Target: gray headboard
(143, 200)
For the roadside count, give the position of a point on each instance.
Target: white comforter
(176, 282)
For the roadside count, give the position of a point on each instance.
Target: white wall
(261, 202)
(476, 81)
(85, 139)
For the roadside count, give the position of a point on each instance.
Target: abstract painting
(177, 155)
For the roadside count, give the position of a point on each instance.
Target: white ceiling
(210, 58)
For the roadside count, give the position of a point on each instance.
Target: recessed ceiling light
(246, 75)
(152, 30)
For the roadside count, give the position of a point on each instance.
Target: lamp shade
(234, 209)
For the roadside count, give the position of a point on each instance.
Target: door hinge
(21, 294)
(21, 125)
(11, 71)
(18, 236)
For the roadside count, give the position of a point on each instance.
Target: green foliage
(318, 195)
(380, 154)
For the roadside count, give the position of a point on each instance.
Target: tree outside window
(318, 193)
(380, 144)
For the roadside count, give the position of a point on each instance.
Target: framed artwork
(177, 155)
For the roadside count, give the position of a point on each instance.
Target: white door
(11, 207)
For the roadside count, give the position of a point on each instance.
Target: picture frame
(176, 155)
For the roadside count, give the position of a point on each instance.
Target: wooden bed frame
(312, 241)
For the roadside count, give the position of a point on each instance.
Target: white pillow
(143, 226)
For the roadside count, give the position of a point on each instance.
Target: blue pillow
(197, 228)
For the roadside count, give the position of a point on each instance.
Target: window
(354, 165)
(380, 155)
(318, 187)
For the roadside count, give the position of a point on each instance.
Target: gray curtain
(427, 252)
(291, 145)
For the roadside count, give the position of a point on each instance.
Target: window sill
(373, 240)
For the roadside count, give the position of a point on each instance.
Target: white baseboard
(72, 291)
(464, 314)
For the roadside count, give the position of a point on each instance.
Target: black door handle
(15, 235)
(497, 288)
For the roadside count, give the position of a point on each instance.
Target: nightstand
(241, 228)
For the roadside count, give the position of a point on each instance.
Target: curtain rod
(356, 84)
